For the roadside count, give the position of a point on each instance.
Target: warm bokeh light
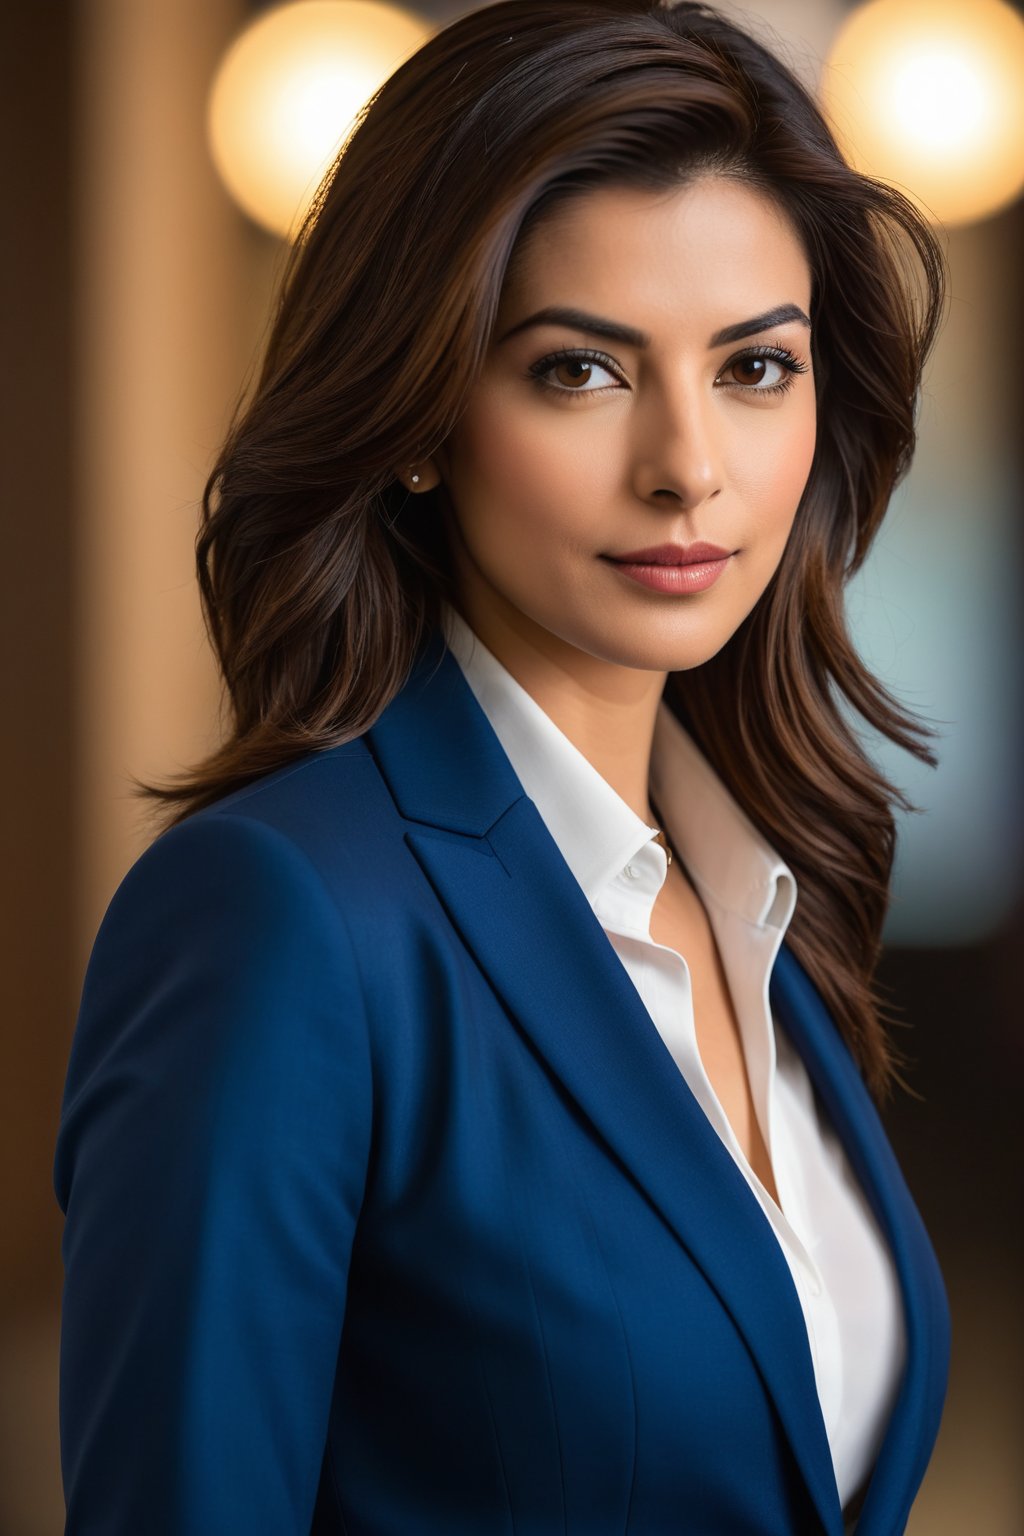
(287, 92)
(929, 95)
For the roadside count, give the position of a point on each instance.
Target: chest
(680, 923)
(518, 1300)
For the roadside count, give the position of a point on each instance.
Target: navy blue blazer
(388, 1210)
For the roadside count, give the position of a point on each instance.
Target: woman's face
(693, 423)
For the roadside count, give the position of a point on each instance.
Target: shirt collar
(722, 849)
(595, 830)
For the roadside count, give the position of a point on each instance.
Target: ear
(424, 476)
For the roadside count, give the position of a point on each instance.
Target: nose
(678, 452)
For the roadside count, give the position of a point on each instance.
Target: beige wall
(162, 342)
(133, 327)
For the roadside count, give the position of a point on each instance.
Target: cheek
(512, 467)
(773, 469)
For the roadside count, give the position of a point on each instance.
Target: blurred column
(163, 340)
(35, 641)
(130, 286)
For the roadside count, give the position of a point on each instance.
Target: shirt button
(631, 873)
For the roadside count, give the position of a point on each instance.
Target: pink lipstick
(674, 567)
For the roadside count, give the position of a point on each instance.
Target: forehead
(712, 247)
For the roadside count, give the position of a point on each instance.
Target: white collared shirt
(841, 1267)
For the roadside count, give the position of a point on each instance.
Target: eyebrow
(611, 330)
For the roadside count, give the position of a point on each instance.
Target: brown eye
(749, 370)
(767, 371)
(573, 371)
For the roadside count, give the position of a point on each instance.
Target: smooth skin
(676, 437)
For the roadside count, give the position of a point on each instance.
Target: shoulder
(302, 827)
(264, 900)
(249, 893)
(322, 803)
(225, 971)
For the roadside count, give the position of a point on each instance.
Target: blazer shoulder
(270, 880)
(338, 780)
(222, 944)
(329, 807)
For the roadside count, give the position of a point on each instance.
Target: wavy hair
(320, 577)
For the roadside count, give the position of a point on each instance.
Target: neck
(606, 710)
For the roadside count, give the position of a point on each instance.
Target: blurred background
(135, 301)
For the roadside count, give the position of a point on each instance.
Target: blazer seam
(551, 1390)
(544, 1349)
(247, 791)
(571, 1154)
(474, 1323)
(333, 1473)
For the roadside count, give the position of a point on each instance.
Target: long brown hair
(321, 577)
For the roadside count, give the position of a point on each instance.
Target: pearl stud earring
(415, 479)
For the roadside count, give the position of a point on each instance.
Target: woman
(468, 1124)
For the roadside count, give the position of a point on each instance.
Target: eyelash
(770, 352)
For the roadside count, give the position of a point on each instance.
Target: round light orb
(287, 92)
(929, 96)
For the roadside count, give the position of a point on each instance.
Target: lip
(673, 554)
(675, 568)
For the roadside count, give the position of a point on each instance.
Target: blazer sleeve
(211, 1162)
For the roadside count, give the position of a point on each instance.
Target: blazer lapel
(508, 891)
(914, 1422)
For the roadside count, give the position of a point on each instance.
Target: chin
(678, 647)
(645, 657)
